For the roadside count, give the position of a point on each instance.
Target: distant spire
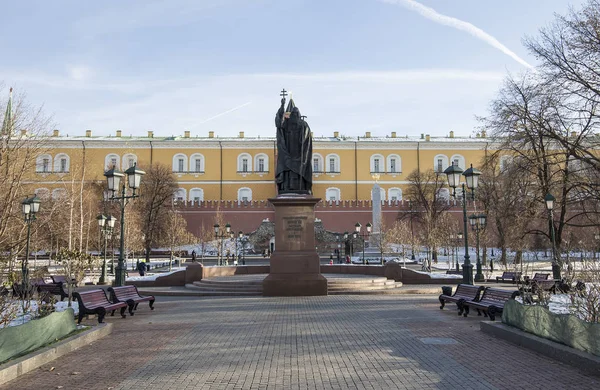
(7, 125)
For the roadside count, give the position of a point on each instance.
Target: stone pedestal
(295, 265)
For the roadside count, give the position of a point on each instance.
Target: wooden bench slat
(96, 302)
(491, 302)
(464, 292)
(131, 296)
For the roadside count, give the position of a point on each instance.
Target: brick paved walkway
(335, 342)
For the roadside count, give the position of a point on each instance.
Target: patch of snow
(438, 275)
(152, 277)
(29, 315)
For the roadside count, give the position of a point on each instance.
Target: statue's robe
(294, 154)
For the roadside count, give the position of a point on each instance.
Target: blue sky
(353, 66)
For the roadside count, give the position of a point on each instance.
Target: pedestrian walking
(193, 256)
(141, 267)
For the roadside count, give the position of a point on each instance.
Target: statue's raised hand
(282, 101)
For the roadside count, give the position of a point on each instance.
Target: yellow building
(242, 168)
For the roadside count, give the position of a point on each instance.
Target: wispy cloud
(458, 24)
(221, 114)
(426, 100)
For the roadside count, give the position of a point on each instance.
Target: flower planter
(563, 328)
(21, 339)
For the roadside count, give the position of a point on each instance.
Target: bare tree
(157, 191)
(425, 192)
(176, 233)
(23, 137)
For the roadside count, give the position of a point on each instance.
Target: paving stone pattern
(335, 342)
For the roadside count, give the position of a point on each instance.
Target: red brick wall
(336, 217)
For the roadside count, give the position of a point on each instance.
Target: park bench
(491, 303)
(18, 290)
(536, 277)
(464, 292)
(46, 289)
(509, 276)
(62, 279)
(96, 302)
(131, 296)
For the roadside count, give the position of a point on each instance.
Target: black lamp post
(238, 238)
(478, 224)
(412, 233)
(30, 207)
(113, 179)
(549, 199)
(349, 244)
(472, 180)
(243, 242)
(220, 236)
(364, 236)
(106, 225)
(459, 237)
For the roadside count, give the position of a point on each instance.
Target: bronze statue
(293, 174)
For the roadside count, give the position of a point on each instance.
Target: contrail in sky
(222, 113)
(458, 24)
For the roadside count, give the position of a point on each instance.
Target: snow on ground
(152, 277)
(24, 318)
(439, 275)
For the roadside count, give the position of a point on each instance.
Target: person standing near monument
(293, 174)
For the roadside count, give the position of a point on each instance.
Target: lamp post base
(479, 274)
(556, 272)
(120, 271)
(467, 273)
(102, 279)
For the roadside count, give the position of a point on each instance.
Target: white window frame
(58, 161)
(42, 193)
(265, 163)
(444, 193)
(394, 191)
(180, 195)
(193, 158)
(445, 163)
(320, 166)
(176, 164)
(381, 159)
(108, 161)
(244, 191)
(39, 163)
(336, 163)
(504, 161)
(333, 192)
(398, 163)
(461, 161)
(240, 163)
(126, 158)
(196, 193)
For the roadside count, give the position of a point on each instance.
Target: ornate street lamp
(364, 236)
(30, 207)
(113, 181)
(459, 237)
(221, 235)
(549, 200)
(478, 224)
(106, 225)
(453, 172)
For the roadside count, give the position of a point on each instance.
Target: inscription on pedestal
(294, 226)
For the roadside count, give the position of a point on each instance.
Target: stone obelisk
(295, 268)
